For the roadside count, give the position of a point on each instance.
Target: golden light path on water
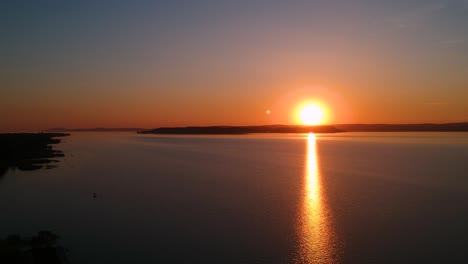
(317, 244)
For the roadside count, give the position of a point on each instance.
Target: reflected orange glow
(316, 234)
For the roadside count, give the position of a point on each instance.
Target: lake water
(340, 198)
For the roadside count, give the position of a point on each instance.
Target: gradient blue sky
(158, 63)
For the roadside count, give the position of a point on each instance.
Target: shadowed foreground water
(345, 198)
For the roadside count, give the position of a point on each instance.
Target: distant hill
(226, 130)
(220, 130)
(98, 129)
(427, 127)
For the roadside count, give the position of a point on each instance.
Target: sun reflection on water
(316, 234)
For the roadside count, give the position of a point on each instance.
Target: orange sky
(127, 66)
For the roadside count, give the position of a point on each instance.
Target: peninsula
(28, 151)
(236, 130)
(424, 127)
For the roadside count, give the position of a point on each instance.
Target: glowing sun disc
(311, 115)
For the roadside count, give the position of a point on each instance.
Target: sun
(311, 114)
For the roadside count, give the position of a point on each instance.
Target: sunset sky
(147, 64)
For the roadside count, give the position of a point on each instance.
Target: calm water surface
(341, 198)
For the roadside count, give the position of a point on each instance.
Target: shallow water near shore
(268, 198)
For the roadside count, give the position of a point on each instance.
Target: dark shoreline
(39, 249)
(240, 130)
(424, 127)
(28, 151)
